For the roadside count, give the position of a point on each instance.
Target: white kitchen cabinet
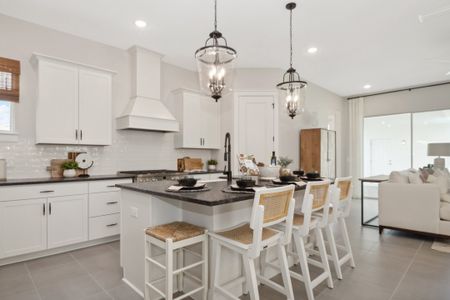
(74, 103)
(67, 220)
(199, 118)
(23, 227)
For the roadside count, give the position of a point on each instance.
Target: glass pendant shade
(215, 63)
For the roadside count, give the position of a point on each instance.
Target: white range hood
(145, 111)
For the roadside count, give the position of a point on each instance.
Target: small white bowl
(269, 171)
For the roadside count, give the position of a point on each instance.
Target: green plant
(70, 165)
(284, 161)
(212, 162)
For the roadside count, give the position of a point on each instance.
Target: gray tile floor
(394, 266)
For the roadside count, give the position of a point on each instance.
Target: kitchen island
(150, 204)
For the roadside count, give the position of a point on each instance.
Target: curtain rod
(400, 90)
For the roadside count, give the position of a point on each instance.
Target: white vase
(212, 167)
(70, 173)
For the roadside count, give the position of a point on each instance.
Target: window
(398, 142)
(9, 93)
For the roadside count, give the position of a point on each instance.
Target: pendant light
(292, 87)
(215, 63)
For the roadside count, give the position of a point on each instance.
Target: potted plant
(212, 165)
(284, 162)
(70, 168)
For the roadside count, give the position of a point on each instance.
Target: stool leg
(169, 269)
(263, 262)
(324, 256)
(348, 247)
(215, 270)
(333, 250)
(303, 257)
(180, 264)
(147, 264)
(284, 266)
(250, 272)
(205, 267)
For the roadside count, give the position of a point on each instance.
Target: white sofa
(411, 207)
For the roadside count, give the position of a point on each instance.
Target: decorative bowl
(299, 173)
(245, 183)
(187, 181)
(288, 178)
(313, 175)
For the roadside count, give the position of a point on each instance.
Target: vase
(285, 171)
(70, 173)
(212, 167)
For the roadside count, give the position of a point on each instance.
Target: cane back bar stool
(341, 210)
(316, 199)
(270, 207)
(174, 238)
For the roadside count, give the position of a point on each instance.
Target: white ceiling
(377, 42)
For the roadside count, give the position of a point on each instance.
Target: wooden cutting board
(56, 170)
(189, 164)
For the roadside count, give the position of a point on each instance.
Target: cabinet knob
(46, 191)
(111, 202)
(112, 225)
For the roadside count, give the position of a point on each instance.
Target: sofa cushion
(445, 211)
(399, 177)
(440, 181)
(414, 178)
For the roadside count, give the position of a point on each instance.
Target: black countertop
(23, 181)
(213, 197)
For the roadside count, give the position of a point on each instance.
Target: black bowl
(288, 178)
(187, 181)
(245, 183)
(299, 173)
(313, 175)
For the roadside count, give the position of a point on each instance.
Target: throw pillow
(414, 178)
(398, 177)
(445, 197)
(442, 183)
(424, 173)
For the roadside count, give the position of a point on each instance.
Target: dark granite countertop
(213, 197)
(23, 181)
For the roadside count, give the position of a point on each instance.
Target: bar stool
(174, 238)
(341, 210)
(315, 200)
(270, 207)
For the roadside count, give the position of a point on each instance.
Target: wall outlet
(134, 212)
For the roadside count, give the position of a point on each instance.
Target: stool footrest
(155, 262)
(189, 293)
(175, 272)
(226, 293)
(155, 288)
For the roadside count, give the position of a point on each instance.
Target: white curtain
(356, 116)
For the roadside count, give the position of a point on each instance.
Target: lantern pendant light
(292, 87)
(215, 62)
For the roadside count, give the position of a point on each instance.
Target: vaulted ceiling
(360, 42)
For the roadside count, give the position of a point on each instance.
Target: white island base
(141, 210)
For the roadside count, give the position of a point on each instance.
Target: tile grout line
(91, 276)
(406, 271)
(32, 281)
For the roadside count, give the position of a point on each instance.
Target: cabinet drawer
(101, 204)
(104, 226)
(106, 185)
(34, 191)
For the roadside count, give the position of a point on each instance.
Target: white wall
(425, 99)
(323, 109)
(130, 149)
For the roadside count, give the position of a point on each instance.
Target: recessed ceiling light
(367, 86)
(312, 50)
(140, 23)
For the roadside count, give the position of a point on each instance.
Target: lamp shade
(439, 149)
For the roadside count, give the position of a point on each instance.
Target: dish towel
(176, 188)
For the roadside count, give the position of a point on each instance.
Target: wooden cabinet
(74, 103)
(199, 118)
(318, 151)
(67, 220)
(23, 227)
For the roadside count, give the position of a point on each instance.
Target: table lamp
(439, 149)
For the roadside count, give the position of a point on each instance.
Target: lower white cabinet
(103, 226)
(67, 220)
(23, 227)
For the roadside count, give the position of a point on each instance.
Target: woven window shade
(9, 79)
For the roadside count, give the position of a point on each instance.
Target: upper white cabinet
(199, 118)
(74, 103)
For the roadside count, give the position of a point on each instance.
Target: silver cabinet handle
(76, 134)
(46, 191)
(81, 134)
(111, 202)
(50, 208)
(43, 209)
(112, 225)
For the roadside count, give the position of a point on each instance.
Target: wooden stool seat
(244, 234)
(177, 231)
(299, 219)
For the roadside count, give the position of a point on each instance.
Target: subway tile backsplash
(131, 150)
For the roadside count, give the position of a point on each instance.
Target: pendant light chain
(215, 15)
(291, 37)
